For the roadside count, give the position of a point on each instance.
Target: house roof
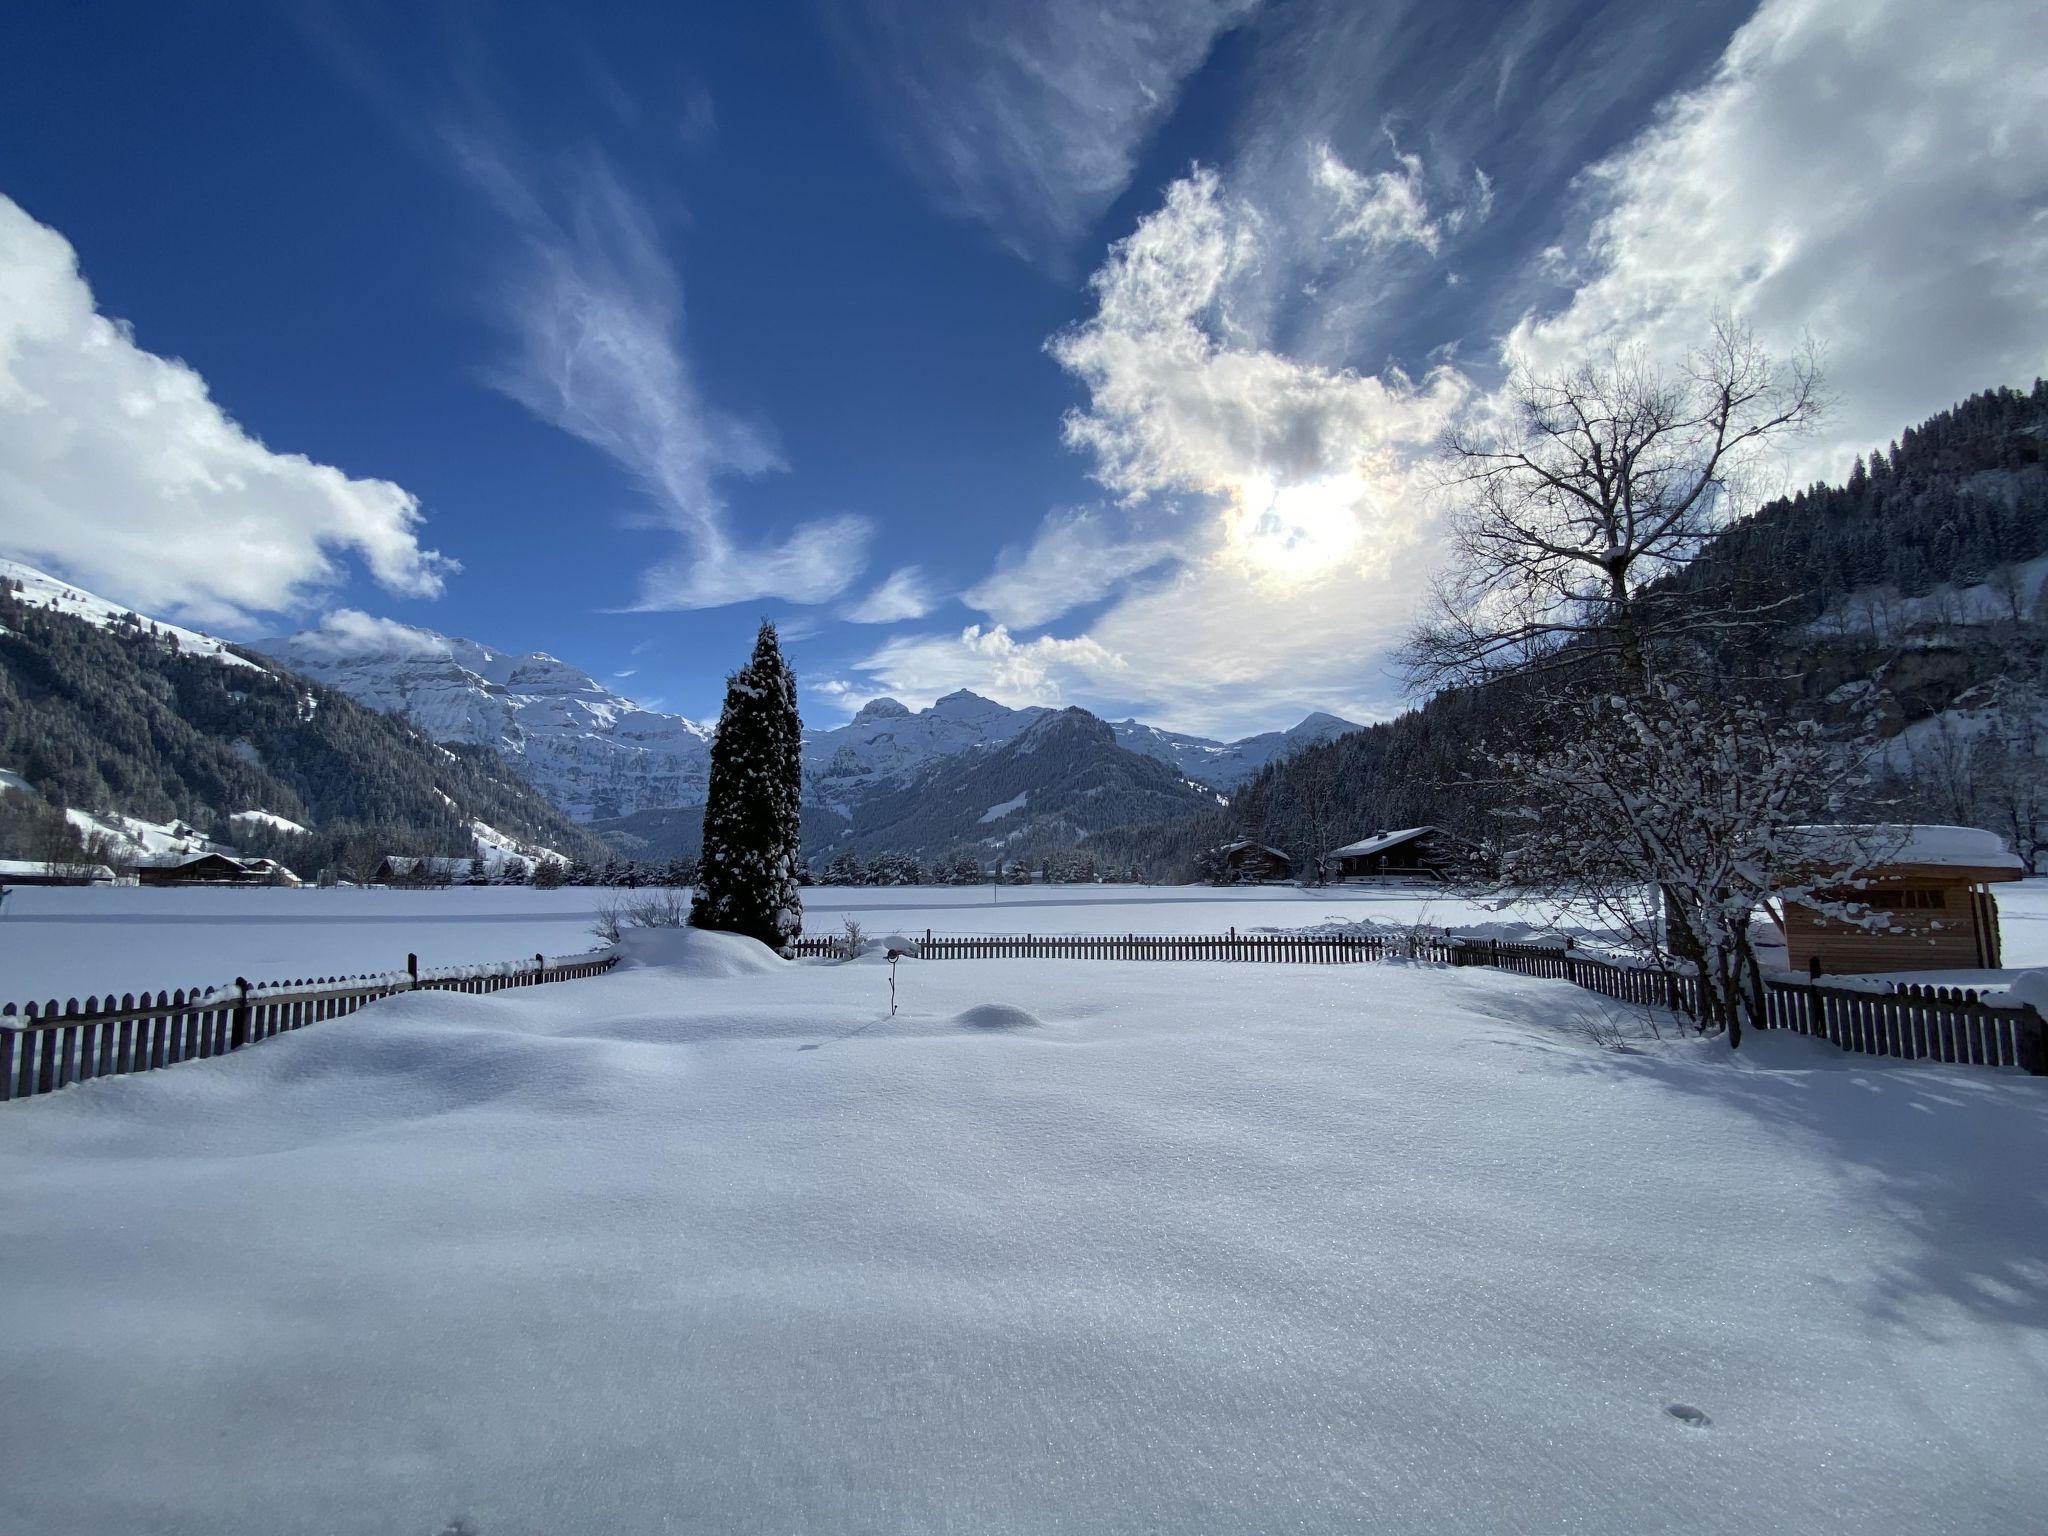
(21, 869)
(1244, 845)
(1379, 842)
(1899, 848)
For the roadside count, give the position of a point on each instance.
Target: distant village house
(217, 869)
(1413, 853)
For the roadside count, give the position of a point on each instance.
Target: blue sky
(1077, 352)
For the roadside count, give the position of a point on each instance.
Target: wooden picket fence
(51, 1045)
(1914, 1022)
(1909, 1020)
(1291, 949)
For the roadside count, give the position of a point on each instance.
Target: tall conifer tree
(746, 879)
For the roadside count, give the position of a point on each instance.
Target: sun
(1296, 531)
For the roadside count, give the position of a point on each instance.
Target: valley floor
(58, 942)
(713, 1244)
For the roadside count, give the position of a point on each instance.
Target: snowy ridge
(597, 755)
(590, 751)
(41, 590)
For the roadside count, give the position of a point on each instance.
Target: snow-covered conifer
(746, 879)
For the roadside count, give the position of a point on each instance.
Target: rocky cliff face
(592, 752)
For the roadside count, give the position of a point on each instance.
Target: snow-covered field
(70, 942)
(712, 1244)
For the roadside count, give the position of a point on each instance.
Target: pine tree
(747, 874)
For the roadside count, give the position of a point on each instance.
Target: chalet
(36, 872)
(216, 869)
(1253, 861)
(1413, 853)
(1931, 885)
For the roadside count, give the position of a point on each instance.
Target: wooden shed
(1932, 887)
(1412, 853)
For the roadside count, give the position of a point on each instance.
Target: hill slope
(109, 713)
(1914, 589)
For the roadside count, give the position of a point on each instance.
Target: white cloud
(344, 633)
(118, 468)
(1282, 493)
(1386, 208)
(1027, 118)
(1872, 174)
(906, 594)
(1310, 465)
(1075, 558)
(595, 311)
(992, 662)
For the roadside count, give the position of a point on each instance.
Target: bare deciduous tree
(1584, 489)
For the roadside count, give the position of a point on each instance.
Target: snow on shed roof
(1379, 842)
(1929, 847)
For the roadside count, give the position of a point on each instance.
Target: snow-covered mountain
(600, 757)
(592, 752)
(154, 742)
(1227, 764)
(888, 741)
(40, 590)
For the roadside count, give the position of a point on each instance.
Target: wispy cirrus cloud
(1075, 557)
(593, 309)
(105, 447)
(906, 593)
(1027, 119)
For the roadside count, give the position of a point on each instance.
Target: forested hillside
(1910, 595)
(121, 721)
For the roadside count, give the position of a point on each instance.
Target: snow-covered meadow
(713, 1244)
(64, 942)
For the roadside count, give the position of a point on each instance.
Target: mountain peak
(1322, 720)
(963, 703)
(881, 709)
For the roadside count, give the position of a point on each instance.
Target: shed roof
(1898, 848)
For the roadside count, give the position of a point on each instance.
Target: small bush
(659, 908)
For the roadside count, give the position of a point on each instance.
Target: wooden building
(36, 872)
(1413, 853)
(1253, 861)
(1931, 885)
(216, 869)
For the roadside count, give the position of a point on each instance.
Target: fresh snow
(57, 941)
(1016, 802)
(270, 819)
(713, 1244)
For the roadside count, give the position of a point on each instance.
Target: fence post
(2030, 1041)
(540, 967)
(412, 968)
(239, 1035)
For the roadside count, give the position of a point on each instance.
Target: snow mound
(697, 952)
(2031, 988)
(997, 1016)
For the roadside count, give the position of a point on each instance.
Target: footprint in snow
(1688, 1415)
